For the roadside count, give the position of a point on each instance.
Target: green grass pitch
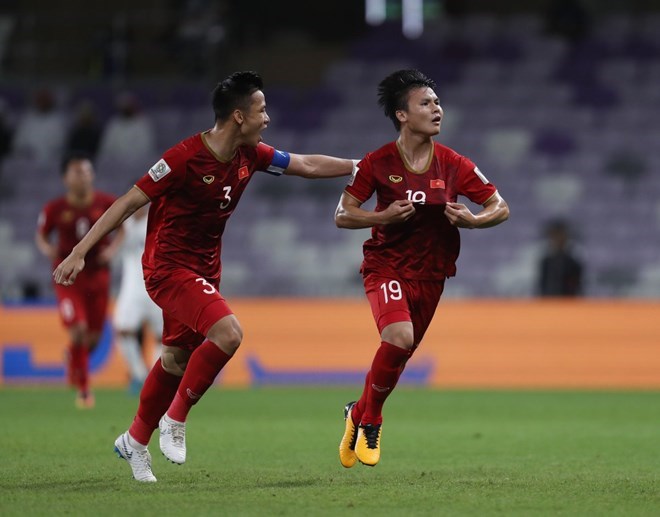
(274, 452)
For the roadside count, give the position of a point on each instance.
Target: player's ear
(238, 117)
(401, 115)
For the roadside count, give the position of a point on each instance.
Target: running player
(82, 307)
(193, 191)
(414, 240)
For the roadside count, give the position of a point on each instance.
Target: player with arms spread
(414, 243)
(193, 191)
(82, 307)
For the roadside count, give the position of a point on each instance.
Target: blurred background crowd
(557, 102)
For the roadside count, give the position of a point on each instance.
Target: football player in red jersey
(193, 191)
(82, 307)
(414, 241)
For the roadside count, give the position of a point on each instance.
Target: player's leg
(196, 303)
(72, 314)
(95, 289)
(78, 356)
(163, 380)
(206, 362)
(155, 321)
(386, 368)
(132, 353)
(390, 304)
(128, 317)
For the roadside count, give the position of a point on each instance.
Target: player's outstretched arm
(319, 166)
(495, 211)
(118, 212)
(350, 215)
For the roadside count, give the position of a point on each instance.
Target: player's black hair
(394, 89)
(73, 156)
(234, 93)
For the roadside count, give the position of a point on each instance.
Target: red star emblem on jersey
(243, 172)
(437, 184)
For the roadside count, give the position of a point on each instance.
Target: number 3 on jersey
(227, 199)
(391, 290)
(208, 288)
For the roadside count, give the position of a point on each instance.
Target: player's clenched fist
(459, 215)
(399, 211)
(67, 271)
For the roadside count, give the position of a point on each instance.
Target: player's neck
(222, 142)
(80, 199)
(415, 149)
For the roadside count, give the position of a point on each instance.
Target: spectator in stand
(129, 134)
(40, 132)
(85, 132)
(560, 271)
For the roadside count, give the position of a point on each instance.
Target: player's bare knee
(400, 335)
(78, 334)
(402, 340)
(229, 340)
(226, 335)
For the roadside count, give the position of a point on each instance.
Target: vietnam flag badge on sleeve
(243, 172)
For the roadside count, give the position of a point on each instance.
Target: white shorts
(134, 308)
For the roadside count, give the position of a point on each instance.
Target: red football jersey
(71, 223)
(426, 246)
(192, 195)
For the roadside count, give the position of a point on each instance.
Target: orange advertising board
(470, 344)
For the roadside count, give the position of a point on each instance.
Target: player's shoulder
(186, 148)
(442, 151)
(56, 204)
(248, 151)
(104, 197)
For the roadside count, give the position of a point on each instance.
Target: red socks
(203, 367)
(79, 367)
(156, 395)
(386, 369)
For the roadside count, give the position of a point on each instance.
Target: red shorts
(86, 301)
(395, 299)
(191, 305)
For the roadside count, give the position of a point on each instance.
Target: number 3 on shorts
(391, 290)
(209, 289)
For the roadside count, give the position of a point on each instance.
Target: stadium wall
(584, 344)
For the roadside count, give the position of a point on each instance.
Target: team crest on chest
(395, 179)
(208, 179)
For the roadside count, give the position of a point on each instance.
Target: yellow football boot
(367, 445)
(347, 455)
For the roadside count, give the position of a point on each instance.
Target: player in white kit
(134, 308)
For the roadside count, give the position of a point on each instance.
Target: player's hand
(67, 271)
(398, 212)
(460, 216)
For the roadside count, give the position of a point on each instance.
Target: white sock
(135, 444)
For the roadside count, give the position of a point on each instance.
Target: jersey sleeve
(271, 160)
(362, 183)
(166, 174)
(472, 183)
